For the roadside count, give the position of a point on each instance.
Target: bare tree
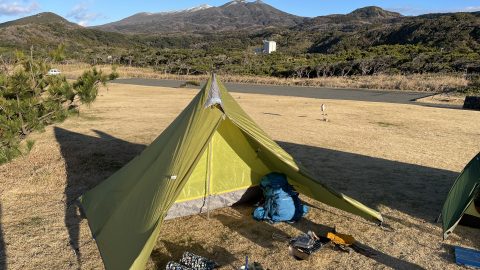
(308, 70)
(299, 71)
(365, 66)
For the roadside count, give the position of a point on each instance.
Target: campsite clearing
(399, 159)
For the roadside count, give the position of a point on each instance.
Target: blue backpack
(281, 200)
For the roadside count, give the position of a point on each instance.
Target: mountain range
(238, 15)
(247, 22)
(232, 16)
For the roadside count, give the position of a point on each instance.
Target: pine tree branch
(46, 115)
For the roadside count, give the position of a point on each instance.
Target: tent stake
(438, 218)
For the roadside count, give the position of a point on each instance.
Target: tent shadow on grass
(3, 253)
(88, 161)
(416, 190)
(388, 260)
(240, 220)
(412, 189)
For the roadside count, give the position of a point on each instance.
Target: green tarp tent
(461, 198)
(213, 151)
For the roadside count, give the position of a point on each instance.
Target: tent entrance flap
(472, 210)
(227, 172)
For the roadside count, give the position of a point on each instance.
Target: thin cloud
(82, 15)
(471, 9)
(8, 8)
(409, 10)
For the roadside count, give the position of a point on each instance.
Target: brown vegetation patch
(414, 82)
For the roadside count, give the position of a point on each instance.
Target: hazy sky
(94, 12)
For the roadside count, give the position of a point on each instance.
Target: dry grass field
(399, 159)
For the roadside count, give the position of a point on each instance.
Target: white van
(54, 71)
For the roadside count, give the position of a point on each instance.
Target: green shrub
(473, 87)
(30, 100)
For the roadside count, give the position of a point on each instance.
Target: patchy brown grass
(400, 159)
(445, 98)
(416, 82)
